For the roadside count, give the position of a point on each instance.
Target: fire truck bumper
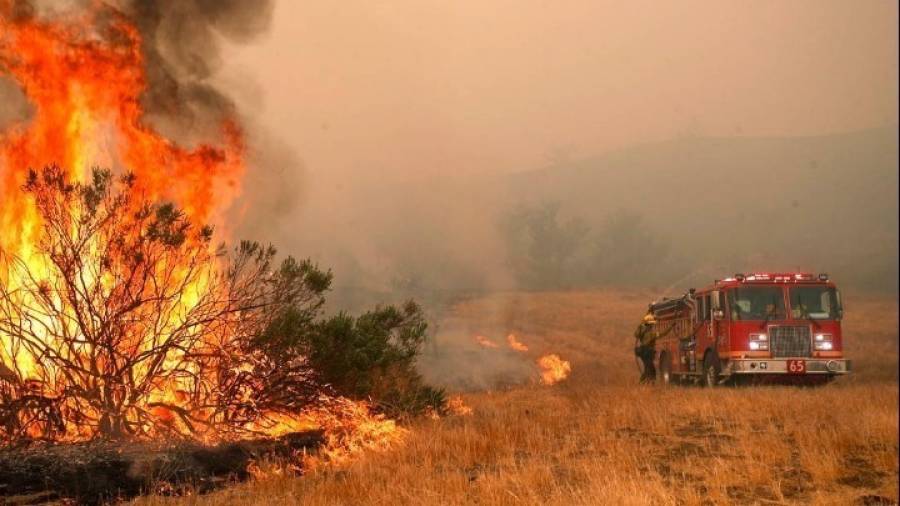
(809, 366)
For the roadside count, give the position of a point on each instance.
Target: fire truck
(764, 326)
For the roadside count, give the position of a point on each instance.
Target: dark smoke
(182, 46)
(184, 43)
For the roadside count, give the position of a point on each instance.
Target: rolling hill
(825, 203)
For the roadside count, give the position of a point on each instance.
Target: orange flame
(350, 428)
(85, 86)
(485, 342)
(553, 369)
(84, 77)
(515, 344)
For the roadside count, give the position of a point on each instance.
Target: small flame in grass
(456, 406)
(515, 344)
(485, 342)
(350, 428)
(553, 369)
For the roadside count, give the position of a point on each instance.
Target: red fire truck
(766, 326)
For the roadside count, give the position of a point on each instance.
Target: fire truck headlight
(759, 342)
(823, 342)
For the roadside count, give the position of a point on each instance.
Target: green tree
(542, 248)
(625, 251)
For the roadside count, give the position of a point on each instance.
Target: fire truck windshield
(756, 303)
(815, 303)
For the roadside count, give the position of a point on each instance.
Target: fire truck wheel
(711, 370)
(665, 369)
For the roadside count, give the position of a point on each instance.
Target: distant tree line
(547, 250)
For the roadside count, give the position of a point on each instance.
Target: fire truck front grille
(790, 341)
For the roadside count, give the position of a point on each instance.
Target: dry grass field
(600, 438)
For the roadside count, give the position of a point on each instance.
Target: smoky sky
(408, 114)
(402, 88)
(380, 134)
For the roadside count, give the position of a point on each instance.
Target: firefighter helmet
(648, 318)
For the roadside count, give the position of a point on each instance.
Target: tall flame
(84, 78)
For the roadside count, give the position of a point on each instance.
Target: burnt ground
(106, 471)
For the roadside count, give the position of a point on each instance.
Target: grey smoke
(182, 44)
(182, 47)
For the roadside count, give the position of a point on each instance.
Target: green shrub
(373, 356)
(367, 357)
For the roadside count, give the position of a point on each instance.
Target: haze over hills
(826, 203)
(709, 206)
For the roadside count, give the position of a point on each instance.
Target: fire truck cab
(764, 325)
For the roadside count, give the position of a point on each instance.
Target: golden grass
(599, 438)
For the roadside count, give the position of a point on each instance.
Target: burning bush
(118, 315)
(124, 321)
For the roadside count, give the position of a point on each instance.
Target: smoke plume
(184, 44)
(181, 44)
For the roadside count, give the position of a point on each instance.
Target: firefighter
(645, 347)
